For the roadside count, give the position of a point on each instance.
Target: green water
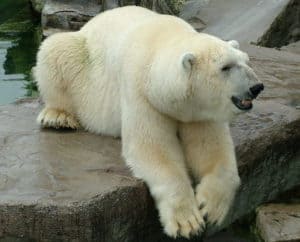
(19, 40)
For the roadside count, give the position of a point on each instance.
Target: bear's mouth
(242, 104)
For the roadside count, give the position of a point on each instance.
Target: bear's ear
(234, 44)
(187, 60)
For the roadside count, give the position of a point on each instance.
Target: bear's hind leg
(60, 62)
(58, 111)
(56, 118)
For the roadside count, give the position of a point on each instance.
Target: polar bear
(169, 91)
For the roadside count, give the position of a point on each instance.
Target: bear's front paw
(215, 200)
(181, 218)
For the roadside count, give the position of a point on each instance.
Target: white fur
(234, 44)
(146, 76)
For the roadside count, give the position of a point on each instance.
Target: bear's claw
(217, 205)
(54, 118)
(184, 219)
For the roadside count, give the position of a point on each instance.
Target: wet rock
(285, 29)
(66, 15)
(279, 222)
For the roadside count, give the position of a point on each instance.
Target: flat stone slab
(54, 167)
(279, 222)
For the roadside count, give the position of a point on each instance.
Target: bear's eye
(227, 67)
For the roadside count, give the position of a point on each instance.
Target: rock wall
(285, 29)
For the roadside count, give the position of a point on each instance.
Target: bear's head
(202, 78)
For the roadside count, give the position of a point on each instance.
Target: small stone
(279, 222)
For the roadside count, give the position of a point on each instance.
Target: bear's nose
(255, 90)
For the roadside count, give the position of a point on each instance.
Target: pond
(19, 40)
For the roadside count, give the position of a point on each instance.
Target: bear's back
(120, 45)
